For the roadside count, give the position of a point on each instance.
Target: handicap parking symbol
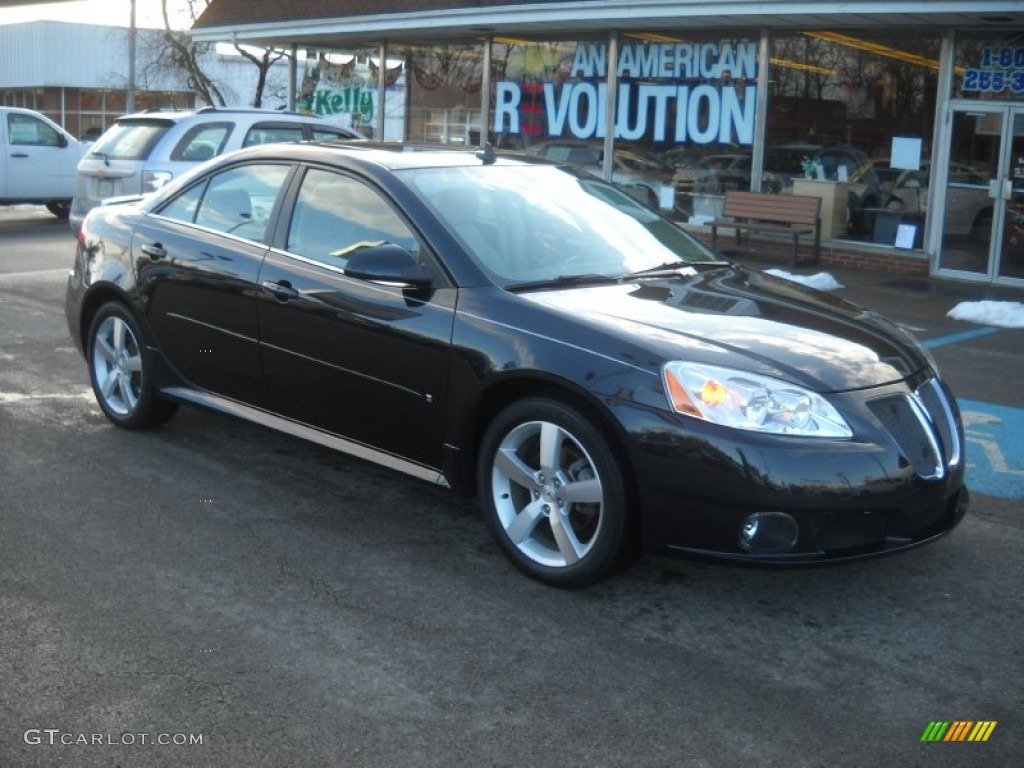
(995, 448)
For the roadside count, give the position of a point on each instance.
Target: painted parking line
(956, 338)
(995, 448)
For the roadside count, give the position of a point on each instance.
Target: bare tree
(186, 55)
(264, 59)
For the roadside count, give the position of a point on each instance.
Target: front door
(365, 361)
(982, 198)
(41, 161)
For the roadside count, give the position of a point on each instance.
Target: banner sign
(346, 94)
(676, 92)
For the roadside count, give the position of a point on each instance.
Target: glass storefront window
(850, 119)
(678, 99)
(341, 86)
(686, 118)
(442, 92)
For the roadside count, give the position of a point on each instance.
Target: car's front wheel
(553, 493)
(121, 370)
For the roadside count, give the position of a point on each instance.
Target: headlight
(747, 401)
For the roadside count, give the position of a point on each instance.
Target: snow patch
(1004, 314)
(822, 281)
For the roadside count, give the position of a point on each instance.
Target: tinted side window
(268, 134)
(201, 142)
(239, 201)
(185, 205)
(28, 130)
(336, 215)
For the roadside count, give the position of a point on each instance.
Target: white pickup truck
(38, 160)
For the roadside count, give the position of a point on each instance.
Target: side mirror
(389, 264)
(62, 140)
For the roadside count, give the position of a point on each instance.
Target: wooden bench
(790, 215)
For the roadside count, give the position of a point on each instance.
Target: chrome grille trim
(954, 450)
(929, 431)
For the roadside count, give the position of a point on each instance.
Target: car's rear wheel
(60, 208)
(121, 370)
(553, 493)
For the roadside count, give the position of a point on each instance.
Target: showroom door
(982, 200)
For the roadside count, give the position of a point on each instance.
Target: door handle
(155, 250)
(282, 289)
(18, 154)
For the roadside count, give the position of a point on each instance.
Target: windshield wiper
(564, 280)
(672, 267)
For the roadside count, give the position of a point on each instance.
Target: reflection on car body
(529, 333)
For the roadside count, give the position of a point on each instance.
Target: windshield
(130, 140)
(524, 224)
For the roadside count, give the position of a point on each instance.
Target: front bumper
(704, 488)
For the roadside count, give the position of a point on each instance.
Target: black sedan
(524, 331)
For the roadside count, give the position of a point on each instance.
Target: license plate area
(104, 188)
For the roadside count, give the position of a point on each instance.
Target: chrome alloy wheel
(117, 366)
(547, 494)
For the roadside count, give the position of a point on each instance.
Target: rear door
(198, 260)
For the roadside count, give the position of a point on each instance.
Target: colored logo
(958, 730)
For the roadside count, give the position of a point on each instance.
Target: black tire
(60, 208)
(121, 370)
(568, 530)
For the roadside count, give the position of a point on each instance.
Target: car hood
(749, 320)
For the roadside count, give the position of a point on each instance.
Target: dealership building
(906, 117)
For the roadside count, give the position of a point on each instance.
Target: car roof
(388, 155)
(177, 115)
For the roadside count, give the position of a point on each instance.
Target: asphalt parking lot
(213, 594)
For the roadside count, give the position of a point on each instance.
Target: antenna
(487, 156)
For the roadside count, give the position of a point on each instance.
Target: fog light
(768, 533)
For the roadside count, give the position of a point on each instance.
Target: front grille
(923, 426)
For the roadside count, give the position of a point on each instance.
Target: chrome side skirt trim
(306, 432)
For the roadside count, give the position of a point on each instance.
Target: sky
(108, 12)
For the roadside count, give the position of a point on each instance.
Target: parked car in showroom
(711, 175)
(784, 162)
(37, 161)
(640, 174)
(524, 331)
(968, 210)
(143, 151)
(968, 203)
